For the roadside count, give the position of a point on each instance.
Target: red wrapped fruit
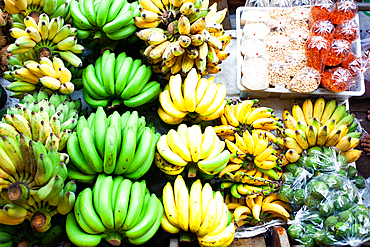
(338, 52)
(347, 30)
(316, 49)
(337, 80)
(344, 10)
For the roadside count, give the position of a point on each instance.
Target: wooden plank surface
(258, 241)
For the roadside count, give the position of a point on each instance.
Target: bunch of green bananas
(114, 209)
(24, 235)
(322, 124)
(32, 183)
(50, 121)
(120, 79)
(50, 74)
(21, 8)
(46, 37)
(119, 144)
(111, 18)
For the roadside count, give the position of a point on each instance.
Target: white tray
(357, 89)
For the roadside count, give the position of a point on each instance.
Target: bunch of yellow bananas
(320, 124)
(200, 212)
(46, 37)
(19, 8)
(193, 38)
(188, 146)
(253, 148)
(247, 115)
(195, 97)
(50, 74)
(257, 208)
(249, 182)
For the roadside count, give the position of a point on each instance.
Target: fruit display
(247, 115)
(323, 124)
(49, 74)
(188, 147)
(120, 79)
(114, 209)
(40, 118)
(199, 211)
(112, 19)
(194, 99)
(119, 144)
(45, 37)
(181, 35)
(331, 201)
(257, 209)
(24, 235)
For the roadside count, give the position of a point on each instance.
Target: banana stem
(114, 238)
(98, 35)
(18, 192)
(41, 221)
(186, 237)
(24, 241)
(192, 172)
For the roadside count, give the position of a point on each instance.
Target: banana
(167, 118)
(207, 194)
(89, 150)
(352, 155)
(333, 138)
(176, 93)
(167, 226)
(298, 114)
(292, 155)
(168, 105)
(78, 236)
(195, 206)
(182, 206)
(208, 222)
(222, 239)
(177, 145)
(292, 144)
(168, 154)
(318, 108)
(328, 110)
(275, 208)
(170, 205)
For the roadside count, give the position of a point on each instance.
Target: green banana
(76, 155)
(88, 212)
(99, 131)
(110, 150)
(122, 203)
(135, 205)
(89, 150)
(105, 207)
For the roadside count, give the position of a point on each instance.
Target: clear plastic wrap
(337, 80)
(338, 52)
(257, 30)
(316, 48)
(344, 10)
(306, 80)
(252, 47)
(323, 28)
(347, 30)
(255, 74)
(321, 9)
(253, 16)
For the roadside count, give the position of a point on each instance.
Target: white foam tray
(357, 89)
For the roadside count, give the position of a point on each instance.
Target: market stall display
(162, 143)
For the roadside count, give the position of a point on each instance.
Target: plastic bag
(337, 80)
(252, 47)
(257, 30)
(344, 10)
(316, 48)
(323, 28)
(321, 9)
(253, 16)
(348, 30)
(306, 80)
(255, 74)
(338, 52)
